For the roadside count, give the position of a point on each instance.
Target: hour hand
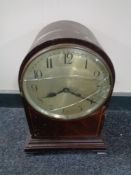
(53, 94)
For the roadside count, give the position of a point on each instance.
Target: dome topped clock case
(66, 81)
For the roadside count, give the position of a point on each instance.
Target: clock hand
(67, 106)
(77, 94)
(71, 92)
(53, 94)
(67, 90)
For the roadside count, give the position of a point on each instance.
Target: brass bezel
(58, 46)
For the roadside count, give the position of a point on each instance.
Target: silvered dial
(66, 81)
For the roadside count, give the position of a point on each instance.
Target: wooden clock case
(49, 133)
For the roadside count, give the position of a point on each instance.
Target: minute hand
(78, 95)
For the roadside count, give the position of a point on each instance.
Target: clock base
(93, 143)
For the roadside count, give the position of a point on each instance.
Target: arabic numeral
(49, 63)
(97, 73)
(38, 74)
(34, 87)
(86, 63)
(68, 58)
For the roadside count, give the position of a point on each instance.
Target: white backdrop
(21, 20)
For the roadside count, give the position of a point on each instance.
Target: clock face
(66, 81)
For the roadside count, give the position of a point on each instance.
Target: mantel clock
(66, 81)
